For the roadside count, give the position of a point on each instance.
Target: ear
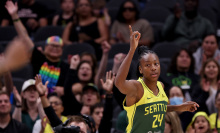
(140, 70)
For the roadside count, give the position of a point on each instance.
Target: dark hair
(168, 94)
(61, 1)
(4, 93)
(93, 70)
(76, 15)
(173, 65)
(97, 105)
(142, 50)
(94, 60)
(211, 34)
(54, 94)
(202, 73)
(120, 16)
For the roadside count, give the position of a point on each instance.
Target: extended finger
(130, 28)
(110, 75)
(102, 82)
(47, 82)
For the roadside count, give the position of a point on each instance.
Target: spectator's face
(88, 59)
(209, 45)
(191, 5)
(89, 97)
(53, 50)
(211, 70)
(67, 6)
(217, 102)
(175, 92)
(56, 103)
(85, 72)
(128, 11)
(81, 125)
(31, 94)
(5, 105)
(97, 115)
(183, 60)
(84, 8)
(201, 125)
(167, 128)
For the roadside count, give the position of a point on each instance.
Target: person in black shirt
(7, 124)
(48, 62)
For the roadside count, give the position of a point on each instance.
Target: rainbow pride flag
(51, 74)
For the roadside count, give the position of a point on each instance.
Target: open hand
(189, 106)
(41, 89)
(134, 38)
(11, 7)
(109, 81)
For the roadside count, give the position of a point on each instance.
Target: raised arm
(22, 32)
(103, 63)
(17, 112)
(53, 118)
(127, 86)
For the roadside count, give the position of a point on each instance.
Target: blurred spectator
(66, 15)
(181, 73)
(48, 62)
(214, 117)
(30, 15)
(43, 125)
(177, 97)
(28, 108)
(78, 121)
(172, 123)
(200, 124)
(187, 28)
(97, 113)
(100, 11)
(128, 14)
(89, 58)
(8, 124)
(209, 49)
(86, 28)
(204, 94)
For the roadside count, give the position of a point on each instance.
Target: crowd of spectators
(81, 87)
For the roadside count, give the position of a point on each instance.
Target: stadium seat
(77, 48)
(43, 33)
(7, 33)
(155, 14)
(169, 4)
(157, 28)
(209, 14)
(165, 49)
(24, 73)
(18, 82)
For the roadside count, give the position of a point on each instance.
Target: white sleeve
(37, 126)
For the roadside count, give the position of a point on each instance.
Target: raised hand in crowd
(109, 82)
(17, 112)
(103, 63)
(74, 62)
(41, 89)
(17, 97)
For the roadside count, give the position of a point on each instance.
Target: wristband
(41, 95)
(18, 106)
(16, 20)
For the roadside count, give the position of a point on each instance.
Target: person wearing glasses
(57, 105)
(128, 14)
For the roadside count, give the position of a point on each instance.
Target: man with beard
(7, 124)
(187, 28)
